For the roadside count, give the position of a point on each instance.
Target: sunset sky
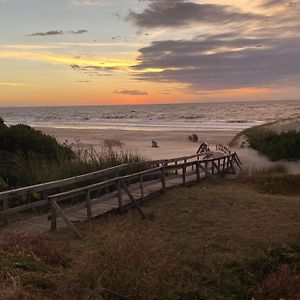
(81, 52)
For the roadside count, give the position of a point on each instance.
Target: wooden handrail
(67, 181)
(131, 176)
(228, 160)
(77, 179)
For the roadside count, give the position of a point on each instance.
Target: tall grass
(284, 145)
(85, 161)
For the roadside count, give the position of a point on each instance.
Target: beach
(171, 143)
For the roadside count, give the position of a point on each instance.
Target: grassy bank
(217, 240)
(270, 141)
(28, 156)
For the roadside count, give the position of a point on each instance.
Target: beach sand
(171, 143)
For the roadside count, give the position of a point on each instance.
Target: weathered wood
(206, 168)
(61, 213)
(17, 209)
(163, 179)
(237, 161)
(133, 200)
(88, 206)
(53, 226)
(136, 180)
(119, 193)
(184, 176)
(198, 171)
(176, 170)
(65, 182)
(142, 186)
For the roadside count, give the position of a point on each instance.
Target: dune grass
(34, 171)
(217, 240)
(274, 144)
(28, 156)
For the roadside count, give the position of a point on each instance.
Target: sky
(94, 52)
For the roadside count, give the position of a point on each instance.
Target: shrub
(276, 146)
(28, 156)
(31, 143)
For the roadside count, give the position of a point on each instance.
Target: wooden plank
(142, 186)
(163, 179)
(184, 176)
(61, 213)
(216, 167)
(88, 206)
(133, 200)
(67, 181)
(53, 216)
(22, 208)
(198, 171)
(119, 193)
(157, 184)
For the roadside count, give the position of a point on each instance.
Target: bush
(28, 156)
(276, 146)
(31, 143)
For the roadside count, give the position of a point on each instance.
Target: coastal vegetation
(211, 241)
(271, 142)
(28, 156)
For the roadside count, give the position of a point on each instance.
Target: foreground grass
(217, 240)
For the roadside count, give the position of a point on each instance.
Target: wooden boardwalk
(78, 204)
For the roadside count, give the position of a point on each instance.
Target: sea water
(234, 116)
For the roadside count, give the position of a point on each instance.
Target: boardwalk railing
(139, 175)
(26, 198)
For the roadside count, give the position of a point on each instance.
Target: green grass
(28, 157)
(217, 240)
(32, 171)
(275, 145)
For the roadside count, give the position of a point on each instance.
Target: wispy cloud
(52, 32)
(15, 84)
(58, 32)
(88, 2)
(81, 31)
(81, 61)
(131, 92)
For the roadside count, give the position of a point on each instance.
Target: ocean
(234, 116)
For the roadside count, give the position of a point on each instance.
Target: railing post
(198, 171)
(163, 179)
(119, 191)
(212, 167)
(227, 164)
(53, 216)
(88, 205)
(184, 175)
(142, 185)
(206, 168)
(176, 170)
